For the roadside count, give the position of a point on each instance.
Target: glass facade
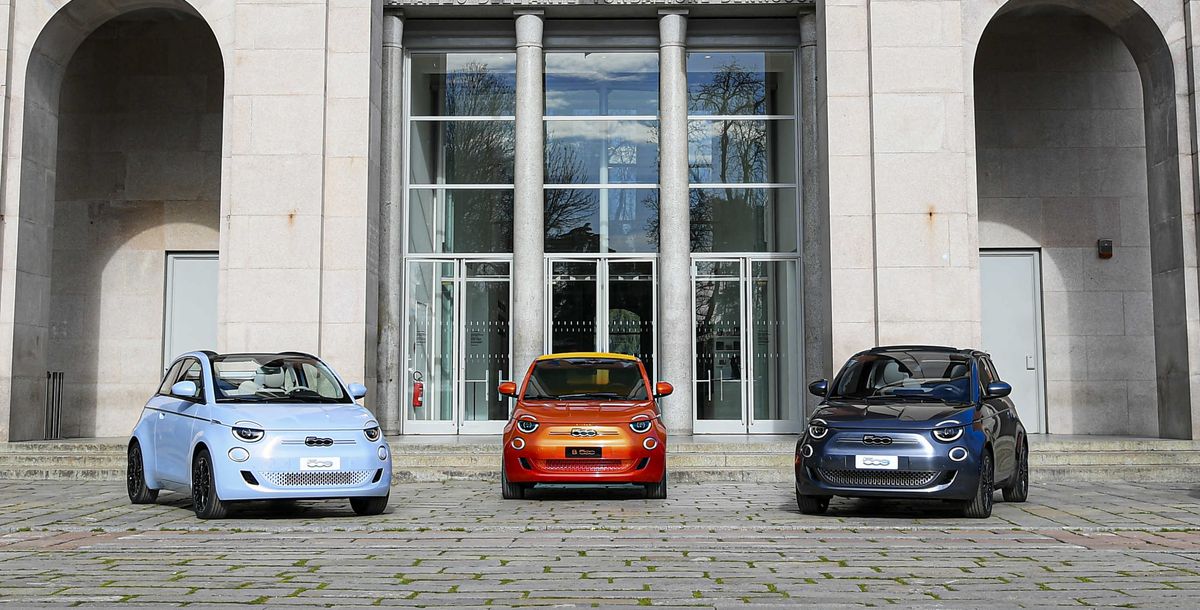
(601, 228)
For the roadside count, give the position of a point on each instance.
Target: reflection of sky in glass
(741, 151)
(740, 83)
(584, 152)
(463, 84)
(581, 84)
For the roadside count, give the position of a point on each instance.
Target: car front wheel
(980, 507)
(1018, 489)
(366, 507)
(657, 491)
(135, 477)
(812, 505)
(510, 491)
(205, 501)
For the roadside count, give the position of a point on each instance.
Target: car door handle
(160, 415)
(1030, 363)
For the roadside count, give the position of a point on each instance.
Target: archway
(1077, 142)
(121, 166)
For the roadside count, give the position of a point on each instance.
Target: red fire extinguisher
(418, 394)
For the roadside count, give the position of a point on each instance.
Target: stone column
(391, 231)
(529, 277)
(818, 348)
(674, 246)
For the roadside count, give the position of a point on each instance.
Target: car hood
(900, 414)
(297, 416)
(584, 412)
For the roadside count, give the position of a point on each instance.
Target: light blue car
(236, 427)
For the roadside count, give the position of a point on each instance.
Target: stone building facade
(430, 193)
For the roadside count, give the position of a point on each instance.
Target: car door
(1005, 443)
(173, 431)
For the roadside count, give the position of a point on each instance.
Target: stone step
(1115, 458)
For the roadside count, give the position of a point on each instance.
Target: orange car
(585, 418)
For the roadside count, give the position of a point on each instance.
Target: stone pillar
(529, 276)
(674, 254)
(391, 231)
(818, 348)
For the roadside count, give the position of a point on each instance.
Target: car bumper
(923, 471)
(275, 470)
(623, 459)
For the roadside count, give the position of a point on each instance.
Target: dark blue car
(914, 422)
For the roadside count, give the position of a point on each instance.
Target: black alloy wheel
(204, 490)
(135, 477)
(980, 507)
(1018, 489)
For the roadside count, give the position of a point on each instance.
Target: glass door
(605, 305)
(746, 365)
(458, 346)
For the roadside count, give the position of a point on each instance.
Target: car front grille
(908, 479)
(339, 478)
(582, 465)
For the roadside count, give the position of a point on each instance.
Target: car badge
(583, 432)
(316, 441)
(871, 439)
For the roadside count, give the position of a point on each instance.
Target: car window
(191, 371)
(169, 379)
(276, 378)
(905, 375)
(586, 379)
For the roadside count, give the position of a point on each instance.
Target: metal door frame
(169, 296)
(747, 423)
(602, 297)
(457, 424)
(1034, 254)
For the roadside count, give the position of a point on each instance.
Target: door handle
(160, 415)
(1030, 363)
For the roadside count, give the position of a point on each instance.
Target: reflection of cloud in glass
(626, 131)
(602, 66)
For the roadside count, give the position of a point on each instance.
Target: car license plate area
(321, 463)
(877, 462)
(584, 452)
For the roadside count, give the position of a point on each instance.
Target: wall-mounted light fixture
(1104, 248)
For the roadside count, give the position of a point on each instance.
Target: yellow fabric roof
(587, 355)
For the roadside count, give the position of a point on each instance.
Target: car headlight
(249, 435)
(817, 429)
(948, 432)
(527, 425)
(372, 434)
(640, 426)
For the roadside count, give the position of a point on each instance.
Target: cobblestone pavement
(721, 545)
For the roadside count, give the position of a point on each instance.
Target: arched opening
(120, 207)
(1076, 143)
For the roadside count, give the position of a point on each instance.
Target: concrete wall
(1062, 163)
(138, 175)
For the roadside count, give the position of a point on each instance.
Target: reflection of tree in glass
(736, 151)
(479, 152)
(568, 210)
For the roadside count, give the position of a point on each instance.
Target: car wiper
(613, 395)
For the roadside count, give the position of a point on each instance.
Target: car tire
(812, 505)
(1018, 489)
(510, 491)
(980, 507)
(657, 491)
(205, 501)
(369, 506)
(135, 477)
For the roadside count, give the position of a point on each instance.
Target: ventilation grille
(583, 465)
(881, 478)
(341, 478)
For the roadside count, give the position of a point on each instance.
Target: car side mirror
(662, 389)
(357, 390)
(819, 387)
(185, 389)
(507, 388)
(998, 389)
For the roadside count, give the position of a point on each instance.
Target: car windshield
(906, 375)
(586, 379)
(275, 378)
